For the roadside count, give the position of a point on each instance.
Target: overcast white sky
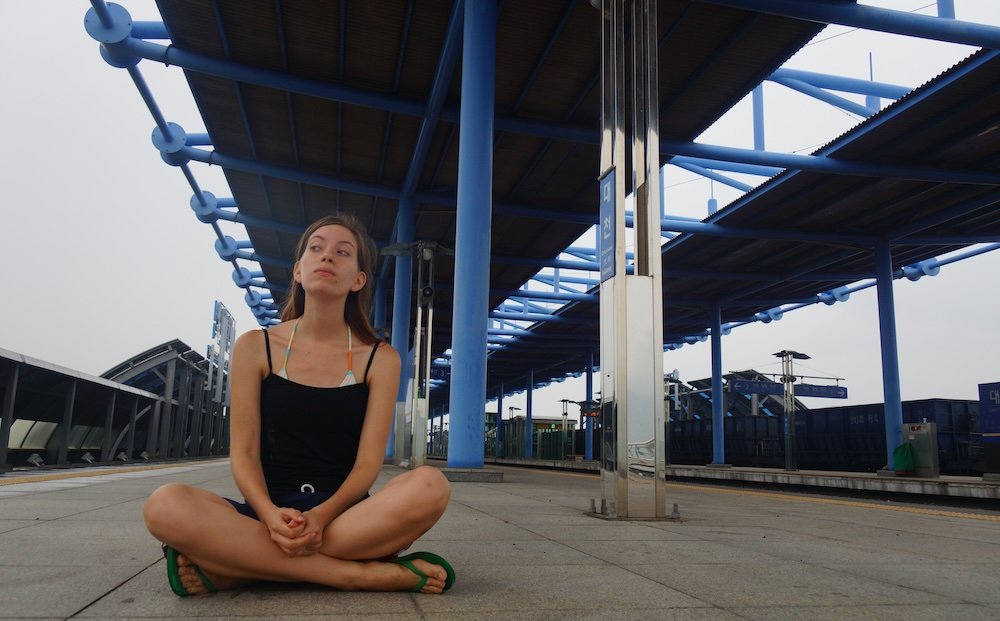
(101, 257)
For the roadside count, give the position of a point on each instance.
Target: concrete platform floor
(72, 545)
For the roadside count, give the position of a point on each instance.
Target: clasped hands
(297, 533)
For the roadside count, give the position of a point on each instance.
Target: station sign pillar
(633, 452)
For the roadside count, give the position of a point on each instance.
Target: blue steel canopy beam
(171, 55)
(447, 63)
(708, 174)
(547, 296)
(737, 167)
(820, 163)
(564, 281)
(149, 30)
(536, 317)
(840, 83)
(871, 18)
(522, 333)
(248, 220)
(822, 95)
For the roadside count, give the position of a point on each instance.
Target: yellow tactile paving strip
(38, 478)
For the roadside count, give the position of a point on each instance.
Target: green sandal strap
(434, 559)
(413, 568)
(174, 577)
(204, 580)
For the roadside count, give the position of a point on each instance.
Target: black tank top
(309, 435)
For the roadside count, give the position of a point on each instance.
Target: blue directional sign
(989, 412)
(800, 390)
(813, 390)
(606, 227)
(760, 388)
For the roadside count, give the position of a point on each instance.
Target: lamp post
(788, 379)
(510, 415)
(424, 251)
(565, 425)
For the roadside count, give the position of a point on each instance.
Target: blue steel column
(472, 236)
(401, 290)
(718, 428)
(529, 431)
(890, 353)
(588, 435)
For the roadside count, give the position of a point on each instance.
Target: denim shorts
(301, 501)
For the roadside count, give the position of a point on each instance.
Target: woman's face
(330, 262)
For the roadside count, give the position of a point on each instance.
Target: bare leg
(392, 519)
(230, 548)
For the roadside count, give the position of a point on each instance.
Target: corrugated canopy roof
(348, 145)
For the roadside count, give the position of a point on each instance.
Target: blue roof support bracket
(890, 351)
(472, 237)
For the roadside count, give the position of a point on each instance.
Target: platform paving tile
(127, 511)
(87, 544)
(972, 582)
(598, 614)
(483, 530)
(826, 550)
(604, 530)
(32, 507)
(55, 591)
(627, 553)
(921, 612)
(532, 588)
(780, 584)
(524, 552)
(8, 525)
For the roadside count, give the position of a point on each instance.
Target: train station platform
(969, 487)
(73, 545)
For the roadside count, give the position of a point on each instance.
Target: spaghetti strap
(267, 346)
(370, 358)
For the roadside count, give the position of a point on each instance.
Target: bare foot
(404, 579)
(192, 581)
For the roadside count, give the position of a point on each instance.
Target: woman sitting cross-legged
(312, 404)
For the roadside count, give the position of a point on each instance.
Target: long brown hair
(358, 302)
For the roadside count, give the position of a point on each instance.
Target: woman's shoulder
(384, 356)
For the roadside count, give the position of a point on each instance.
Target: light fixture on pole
(424, 252)
(565, 425)
(788, 379)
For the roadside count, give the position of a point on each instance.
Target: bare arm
(247, 371)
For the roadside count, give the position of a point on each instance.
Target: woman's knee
(165, 507)
(433, 487)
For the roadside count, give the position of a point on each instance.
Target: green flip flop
(430, 557)
(174, 577)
